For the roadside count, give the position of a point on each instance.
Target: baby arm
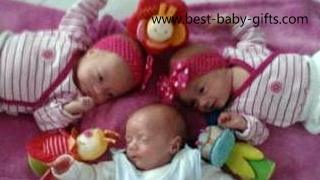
(248, 34)
(247, 127)
(106, 26)
(78, 19)
(65, 167)
(60, 112)
(244, 31)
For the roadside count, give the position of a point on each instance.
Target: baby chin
(137, 163)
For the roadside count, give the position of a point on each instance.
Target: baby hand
(232, 121)
(80, 105)
(62, 164)
(86, 102)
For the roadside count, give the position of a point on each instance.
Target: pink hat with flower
(126, 48)
(184, 70)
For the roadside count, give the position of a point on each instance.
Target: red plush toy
(46, 147)
(150, 24)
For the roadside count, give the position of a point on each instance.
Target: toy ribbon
(169, 86)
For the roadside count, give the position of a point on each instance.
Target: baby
(154, 150)
(250, 83)
(48, 73)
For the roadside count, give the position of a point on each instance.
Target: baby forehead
(155, 114)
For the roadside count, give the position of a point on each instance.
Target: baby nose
(131, 146)
(97, 89)
(203, 105)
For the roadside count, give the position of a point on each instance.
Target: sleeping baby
(60, 74)
(154, 150)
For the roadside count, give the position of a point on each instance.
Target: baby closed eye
(201, 90)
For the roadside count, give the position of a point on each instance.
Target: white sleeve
(248, 34)
(53, 116)
(210, 172)
(81, 171)
(78, 18)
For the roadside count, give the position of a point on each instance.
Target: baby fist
(80, 105)
(232, 121)
(62, 164)
(87, 103)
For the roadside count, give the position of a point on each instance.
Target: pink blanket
(294, 150)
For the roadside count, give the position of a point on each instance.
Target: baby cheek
(185, 96)
(143, 150)
(123, 87)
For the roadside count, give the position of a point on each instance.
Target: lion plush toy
(159, 25)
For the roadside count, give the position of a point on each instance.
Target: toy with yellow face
(93, 143)
(158, 25)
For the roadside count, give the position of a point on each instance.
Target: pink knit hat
(187, 69)
(123, 46)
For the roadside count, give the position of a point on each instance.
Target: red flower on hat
(154, 33)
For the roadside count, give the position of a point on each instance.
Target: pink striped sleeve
(256, 132)
(52, 116)
(248, 34)
(79, 17)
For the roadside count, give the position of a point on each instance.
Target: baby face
(208, 92)
(102, 76)
(149, 144)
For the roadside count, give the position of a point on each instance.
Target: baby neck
(238, 76)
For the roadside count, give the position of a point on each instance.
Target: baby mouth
(213, 104)
(86, 91)
(92, 94)
(133, 159)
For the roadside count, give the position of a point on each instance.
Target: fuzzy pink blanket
(294, 150)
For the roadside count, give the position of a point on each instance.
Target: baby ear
(175, 144)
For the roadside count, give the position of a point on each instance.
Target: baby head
(154, 134)
(200, 77)
(112, 67)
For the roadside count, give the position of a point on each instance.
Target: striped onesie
(276, 90)
(36, 68)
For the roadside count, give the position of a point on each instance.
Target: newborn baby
(154, 150)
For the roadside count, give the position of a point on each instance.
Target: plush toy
(218, 146)
(88, 146)
(159, 25)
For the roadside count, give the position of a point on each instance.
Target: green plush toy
(263, 168)
(248, 162)
(218, 146)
